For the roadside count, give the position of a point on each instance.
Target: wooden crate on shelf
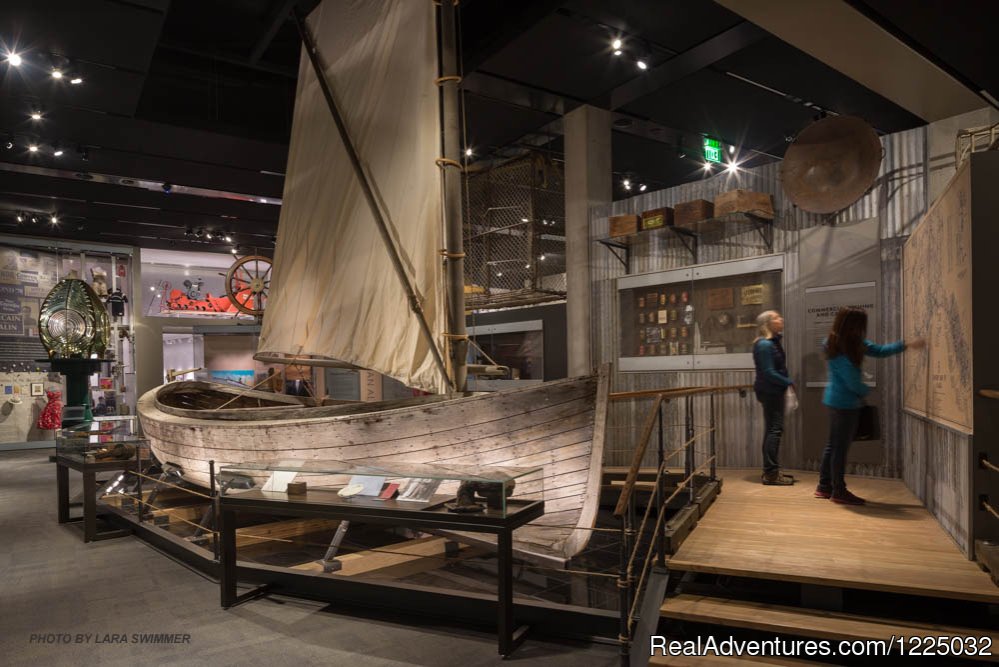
(657, 218)
(624, 225)
(759, 204)
(691, 212)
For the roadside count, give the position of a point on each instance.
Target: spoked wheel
(247, 283)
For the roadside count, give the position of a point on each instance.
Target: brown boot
(777, 479)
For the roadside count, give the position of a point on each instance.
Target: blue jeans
(773, 421)
(842, 428)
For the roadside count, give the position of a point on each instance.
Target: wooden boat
(341, 238)
(558, 426)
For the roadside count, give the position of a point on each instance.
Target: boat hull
(558, 426)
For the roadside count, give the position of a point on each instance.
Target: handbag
(868, 424)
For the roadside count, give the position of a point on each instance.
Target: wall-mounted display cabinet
(700, 317)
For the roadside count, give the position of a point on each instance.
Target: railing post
(624, 592)
(689, 454)
(661, 496)
(215, 511)
(713, 449)
(138, 477)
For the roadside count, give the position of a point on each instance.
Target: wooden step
(815, 623)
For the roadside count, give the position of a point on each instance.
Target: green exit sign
(712, 150)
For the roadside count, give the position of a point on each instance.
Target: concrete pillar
(148, 339)
(587, 183)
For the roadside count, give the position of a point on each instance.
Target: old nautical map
(936, 265)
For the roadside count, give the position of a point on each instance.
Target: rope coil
(448, 162)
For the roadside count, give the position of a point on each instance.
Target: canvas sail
(333, 292)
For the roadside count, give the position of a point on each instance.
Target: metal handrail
(660, 395)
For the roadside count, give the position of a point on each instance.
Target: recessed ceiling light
(14, 59)
(56, 73)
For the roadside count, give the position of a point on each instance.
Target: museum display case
(103, 439)
(698, 317)
(490, 491)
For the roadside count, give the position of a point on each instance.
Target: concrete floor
(51, 583)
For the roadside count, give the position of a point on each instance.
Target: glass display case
(699, 317)
(494, 491)
(103, 439)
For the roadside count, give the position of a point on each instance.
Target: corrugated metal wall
(898, 199)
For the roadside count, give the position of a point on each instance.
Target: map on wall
(936, 280)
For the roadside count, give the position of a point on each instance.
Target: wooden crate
(691, 212)
(759, 204)
(624, 225)
(657, 218)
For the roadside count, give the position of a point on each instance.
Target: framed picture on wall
(37, 389)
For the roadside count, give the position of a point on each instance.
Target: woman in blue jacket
(772, 381)
(846, 347)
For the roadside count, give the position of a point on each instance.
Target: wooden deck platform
(892, 544)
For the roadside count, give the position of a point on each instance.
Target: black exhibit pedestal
(77, 372)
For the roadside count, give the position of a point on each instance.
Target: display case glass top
(456, 488)
(101, 440)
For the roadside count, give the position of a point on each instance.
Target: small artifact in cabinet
(641, 318)
(663, 316)
(641, 302)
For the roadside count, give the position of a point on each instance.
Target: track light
(228, 239)
(642, 65)
(542, 258)
(616, 44)
(707, 166)
(36, 114)
(468, 152)
(14, 59)
(20, 217)
(54, 220)
(233, 250)
(627, 187)
(57, 150)
(626, 183)
(76, 80)
(32, 148)
(618, 52)
(34, 220)
(731, 150)
(56, 73)
(732, 167)
(641, 188)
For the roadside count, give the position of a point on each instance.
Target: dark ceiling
(200, 95)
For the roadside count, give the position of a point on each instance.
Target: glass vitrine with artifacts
(103, 439)
(698, 317)
(370, 484)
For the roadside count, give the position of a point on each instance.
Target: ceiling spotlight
(20, 217)
(208, 235)
(542, 258)
(524, 220)
(54, 220)
(36, 114)
(228, 239)
(34, 219)
(527, 266)
(57, 150)
(616, 44)
(641, 188)
(626, 183)
(56, 73)
(14, 59)
(627, 186)
(32, 148)
(499, 275)
(732, 167)
(642, 65)
(76, 80)
(707, 166)
(731, 150)
(233, 250)
(618, 52)
(468, 152)
(9, 144)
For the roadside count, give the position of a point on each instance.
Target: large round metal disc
(831, 164)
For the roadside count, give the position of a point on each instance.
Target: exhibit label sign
(821, 306)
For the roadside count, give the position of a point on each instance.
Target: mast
(376, 212)
(449, 81)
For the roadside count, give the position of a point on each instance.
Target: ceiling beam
(278, 15)
(838, 35)
(690, 61)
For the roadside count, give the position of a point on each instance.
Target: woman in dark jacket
(772, 381)
(846, 347)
